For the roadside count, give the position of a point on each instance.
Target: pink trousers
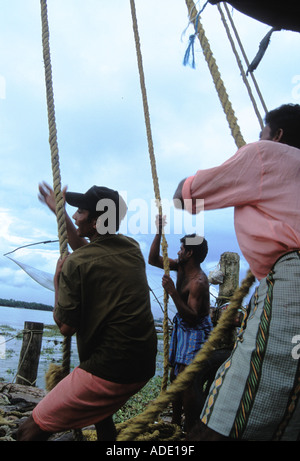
(79, 400)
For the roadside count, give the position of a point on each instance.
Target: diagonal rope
(240, 66)
(245, 58)
(139, 423)
(216, 76)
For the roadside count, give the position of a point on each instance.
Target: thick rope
(212, 65)
(55, 374)
(164, 245)
(60, 210)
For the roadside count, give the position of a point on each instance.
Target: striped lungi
(255, 395)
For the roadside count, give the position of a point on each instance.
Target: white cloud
(99, 112)
(10, 228)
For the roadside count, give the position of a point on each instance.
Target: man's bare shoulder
(199, 282)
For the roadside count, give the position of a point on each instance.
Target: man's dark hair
(197, 244)
(286, 117)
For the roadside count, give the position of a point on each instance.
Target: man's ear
(94, 223)
(189, 253)
(278, 135)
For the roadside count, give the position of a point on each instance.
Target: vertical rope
(60, 209)
(155, 184)
(60, 214)
(138, 424)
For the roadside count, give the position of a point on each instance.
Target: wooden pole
(30, 353)
(230, 267)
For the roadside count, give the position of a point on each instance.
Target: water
(15, 317)
(12, 321)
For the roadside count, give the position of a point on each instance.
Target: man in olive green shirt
(102, 295)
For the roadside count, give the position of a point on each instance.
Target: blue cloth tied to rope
(191, 49)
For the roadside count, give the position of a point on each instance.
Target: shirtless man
(192, 324)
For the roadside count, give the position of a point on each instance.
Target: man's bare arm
(154, 258)
(46, 195)
(191, 310)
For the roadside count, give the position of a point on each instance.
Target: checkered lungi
(187, 340)
(255, 395)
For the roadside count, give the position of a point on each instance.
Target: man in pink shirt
(256, 391)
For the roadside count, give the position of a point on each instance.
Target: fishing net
(45, 279)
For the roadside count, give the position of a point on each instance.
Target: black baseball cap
(90, 199)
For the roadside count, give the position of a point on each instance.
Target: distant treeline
(26, 305)
(43, 307)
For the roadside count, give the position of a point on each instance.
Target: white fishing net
(44, 278)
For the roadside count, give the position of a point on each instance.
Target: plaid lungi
(255, 395)
(187, 340)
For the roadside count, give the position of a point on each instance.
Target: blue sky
(100, 120)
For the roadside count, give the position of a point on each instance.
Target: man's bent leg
(176, 402)
(106, 431)
(190, 408)
(30, 431)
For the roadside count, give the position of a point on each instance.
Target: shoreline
(51, 352)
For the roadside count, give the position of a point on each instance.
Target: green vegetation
(26, 305)
(138, 402)
(51, 330)
(7, 328)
